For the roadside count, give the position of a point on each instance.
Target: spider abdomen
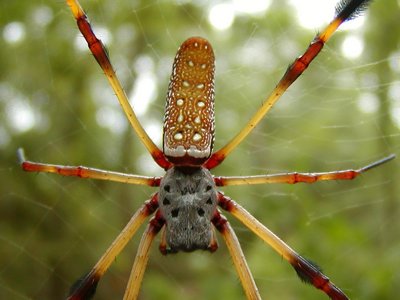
(189, 113)
(187, 201)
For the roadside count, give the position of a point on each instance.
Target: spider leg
(345, 10)
(163, 242)
(85, 172)
(86, 287)
(306, 270)
(296, 177)
(237, 255)
(142, 256)
(214, 242)
(100, 54)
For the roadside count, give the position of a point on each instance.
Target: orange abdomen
(189, 113)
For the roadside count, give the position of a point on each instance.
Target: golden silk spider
(186, 205)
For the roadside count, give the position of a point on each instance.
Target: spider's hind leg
(100, 53)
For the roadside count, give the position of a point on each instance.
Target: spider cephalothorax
(188, 201)
(185, 206)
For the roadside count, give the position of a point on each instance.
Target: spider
(186, 205)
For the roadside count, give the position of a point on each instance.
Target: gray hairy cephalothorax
(188, 200)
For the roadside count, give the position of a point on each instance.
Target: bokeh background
(343, 112)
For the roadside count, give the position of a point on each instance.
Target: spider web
(342, 113)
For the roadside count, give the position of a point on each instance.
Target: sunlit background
(344, 112)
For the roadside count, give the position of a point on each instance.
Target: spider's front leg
(237, 255)
(142, 256)
(85, 288)
(306, 270)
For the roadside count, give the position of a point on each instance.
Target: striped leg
(296, 177)
(86, 287)
(100, 54)
(345, 10)
(307, 271)
(85, 172)
(142, 256)
(237, 255)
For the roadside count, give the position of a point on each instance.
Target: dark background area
(56, 103)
